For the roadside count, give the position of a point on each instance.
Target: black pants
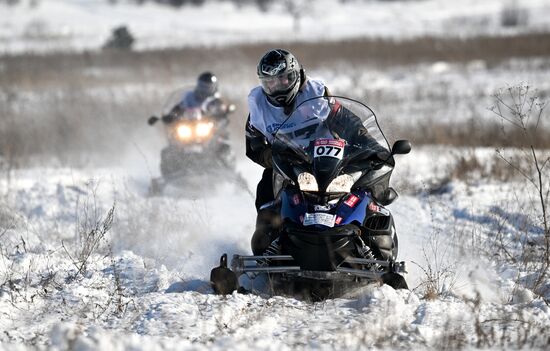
(266, 221)
(264, 190)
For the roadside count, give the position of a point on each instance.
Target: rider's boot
(267, 223)
(264, 240)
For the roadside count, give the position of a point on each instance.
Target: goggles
(279, 83)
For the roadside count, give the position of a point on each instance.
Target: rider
(284, 85)
(205, 96)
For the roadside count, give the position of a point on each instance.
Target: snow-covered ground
(145, 285)
(87, 24)
(469, 227)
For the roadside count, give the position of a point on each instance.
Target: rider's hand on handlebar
(169, 118)
(383, 156)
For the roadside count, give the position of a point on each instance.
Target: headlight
(307, 182)
(203, 129)
(343, 183)
(184, 131)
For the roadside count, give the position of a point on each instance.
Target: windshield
(175, 98)
(332, 117)
(184, 104)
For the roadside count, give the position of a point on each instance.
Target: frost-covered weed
(521, 107)
(439, 257)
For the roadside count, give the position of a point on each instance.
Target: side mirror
(401, 147)
(152, 120)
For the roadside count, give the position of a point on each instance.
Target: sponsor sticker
(319, 208)
(325, 219)
(374, 207)
(352, 200)
(330, 142)
(338, 220)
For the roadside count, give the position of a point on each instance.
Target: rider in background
(196, 128)
(205, 95)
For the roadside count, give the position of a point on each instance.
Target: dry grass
(499, 329)
(467, 133)
(28, 68)
(73, 106)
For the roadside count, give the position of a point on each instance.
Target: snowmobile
(330, 181)
(198, 143)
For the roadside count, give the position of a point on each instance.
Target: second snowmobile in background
(198, 142)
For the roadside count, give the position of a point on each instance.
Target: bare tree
(297, 9)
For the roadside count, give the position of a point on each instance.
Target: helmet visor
(280, 83)
(205, 89)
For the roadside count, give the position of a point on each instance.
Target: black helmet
(207, 85)
(280, 75)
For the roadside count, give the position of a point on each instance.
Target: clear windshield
(175, 98)
(332, 118)
(184, 104)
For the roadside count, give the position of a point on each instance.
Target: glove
(266, 158)
(383, 155)
(169, 118)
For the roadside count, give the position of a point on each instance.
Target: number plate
(197, 148)
(329, 147)
(325, 219)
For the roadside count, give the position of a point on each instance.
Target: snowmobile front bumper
(225, 281)
(351, 267)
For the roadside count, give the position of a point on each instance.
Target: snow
(146, 285)
(63, 25)
(161, 250)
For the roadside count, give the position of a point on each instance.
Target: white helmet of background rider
(281, 76)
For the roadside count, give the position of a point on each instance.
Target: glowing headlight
(203, 129)
(307, 182)
(184, 131)
(343, 183)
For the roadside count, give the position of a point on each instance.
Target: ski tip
(222, 279)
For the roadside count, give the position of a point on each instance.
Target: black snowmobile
(332, 165)
(198, 143)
